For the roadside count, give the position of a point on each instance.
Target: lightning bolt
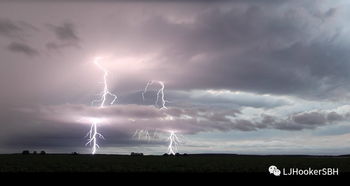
(173, 143)
(145, 90)
(160, 94)
(105, 91)
(144, 134)
(173, 138)
(93, 133)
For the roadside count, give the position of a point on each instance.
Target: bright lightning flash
(173, 143)
(105, 91)
(93, 133)
(160, 94)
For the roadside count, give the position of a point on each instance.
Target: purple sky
(259, 77)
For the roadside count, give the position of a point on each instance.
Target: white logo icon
(274, 170)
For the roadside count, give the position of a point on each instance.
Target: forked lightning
(93, 133)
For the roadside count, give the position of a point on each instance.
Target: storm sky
(253, 77)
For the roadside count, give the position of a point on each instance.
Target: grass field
(190, 163)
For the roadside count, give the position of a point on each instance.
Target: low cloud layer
(121, 121)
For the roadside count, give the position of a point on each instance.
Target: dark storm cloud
(187, 120)
(8, 28)
(16, 30)
(261, 48)
(58, 46)
(49, 135)
(312, 118)
(54, 46)
(34, 128)
(22, 48)
(300, 68)
(333, 116)
(74, 137)
(305, 120)
(64, 125)
(65, 32)
(254, 48)
(209, 97)
(296, 121)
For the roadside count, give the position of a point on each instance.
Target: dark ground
(192, 163)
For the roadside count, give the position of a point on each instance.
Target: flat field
(196, 163)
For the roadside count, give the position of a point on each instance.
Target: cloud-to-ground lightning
(173, 143)
(93, 133)
(173, 138)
